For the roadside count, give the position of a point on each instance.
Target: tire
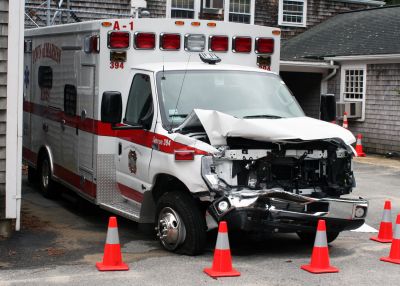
(184, 225)
(46, 184)
(32, 175)
(309, 237)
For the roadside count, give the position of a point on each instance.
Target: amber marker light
(196, 24)
(211, 24)
(106, 24)
(179, 23)
(276, 32)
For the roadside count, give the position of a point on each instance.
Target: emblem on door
(132, 158)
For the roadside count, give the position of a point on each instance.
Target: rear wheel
(309, 237)
(180, 226)
(45, 180)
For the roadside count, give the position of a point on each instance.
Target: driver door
(134, 146)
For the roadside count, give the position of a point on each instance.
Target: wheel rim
(171, 230)
(45, 174)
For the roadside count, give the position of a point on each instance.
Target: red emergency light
(218, 43)
(145, 41)
(264, 45)
(118, 40)
(241, 44)
(170, 42)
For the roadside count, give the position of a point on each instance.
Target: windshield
(238, 93)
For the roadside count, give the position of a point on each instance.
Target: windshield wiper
(262, 116)
(179, 115)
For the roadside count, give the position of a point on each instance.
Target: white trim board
(14, 110)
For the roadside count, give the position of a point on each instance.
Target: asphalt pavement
(61, 240)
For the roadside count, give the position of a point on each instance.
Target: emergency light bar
(170, 42)
(192, 42)
(264, 45)
(145, 41)
(118, 40)
(241, 44)
(218, 44)
(195, 42)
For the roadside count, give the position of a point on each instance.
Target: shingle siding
(3, 98)
(317, 11)
(266, 11)
(121, 7)
(381, 128)
(157, 8)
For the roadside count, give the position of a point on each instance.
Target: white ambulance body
(98, 120)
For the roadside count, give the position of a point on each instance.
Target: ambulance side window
(70, 95)
(45, 77)
(139, 109)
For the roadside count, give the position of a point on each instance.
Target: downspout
(332, 74)
(324, 81)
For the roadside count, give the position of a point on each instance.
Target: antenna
(163, 69)
(180, 92)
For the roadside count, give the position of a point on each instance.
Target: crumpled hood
(219, 126)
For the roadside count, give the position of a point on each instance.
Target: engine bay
(318, 169)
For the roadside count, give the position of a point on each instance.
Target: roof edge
(363, 57)
(371, 2)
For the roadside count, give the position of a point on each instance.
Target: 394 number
(116, 65)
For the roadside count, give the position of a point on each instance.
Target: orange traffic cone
(222, 263)
(385, 229)
(394, 256)
(345, 122)
(320, 255)
(359, 147)
(112, 259)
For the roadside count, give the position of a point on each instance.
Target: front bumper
(279, 211)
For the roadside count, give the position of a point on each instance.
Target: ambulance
(182, 124)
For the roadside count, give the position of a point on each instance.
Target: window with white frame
(292, 13)
(182, 9)
(353, 84)
(213, 4)
(240, 11)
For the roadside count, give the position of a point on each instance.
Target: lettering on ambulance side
(157, 143)
(47, 50)
(116, 26)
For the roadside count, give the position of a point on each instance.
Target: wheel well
(165, 183)
(42, 153)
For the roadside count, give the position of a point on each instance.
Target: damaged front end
(283, 186)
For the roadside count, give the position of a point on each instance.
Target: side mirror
(328, 107)
(111, 107)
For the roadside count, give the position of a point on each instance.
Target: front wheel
(309, 237)
(180, 226)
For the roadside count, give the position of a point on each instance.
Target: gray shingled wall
(121, 7)
(3, 99)
(157, 8)
(381, 128)
(317, 11)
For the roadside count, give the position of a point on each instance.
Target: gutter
(371, 2)
(323, 65)
(364, 57)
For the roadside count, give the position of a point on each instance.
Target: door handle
(63, 124)
(45, 127)
(119, 148)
